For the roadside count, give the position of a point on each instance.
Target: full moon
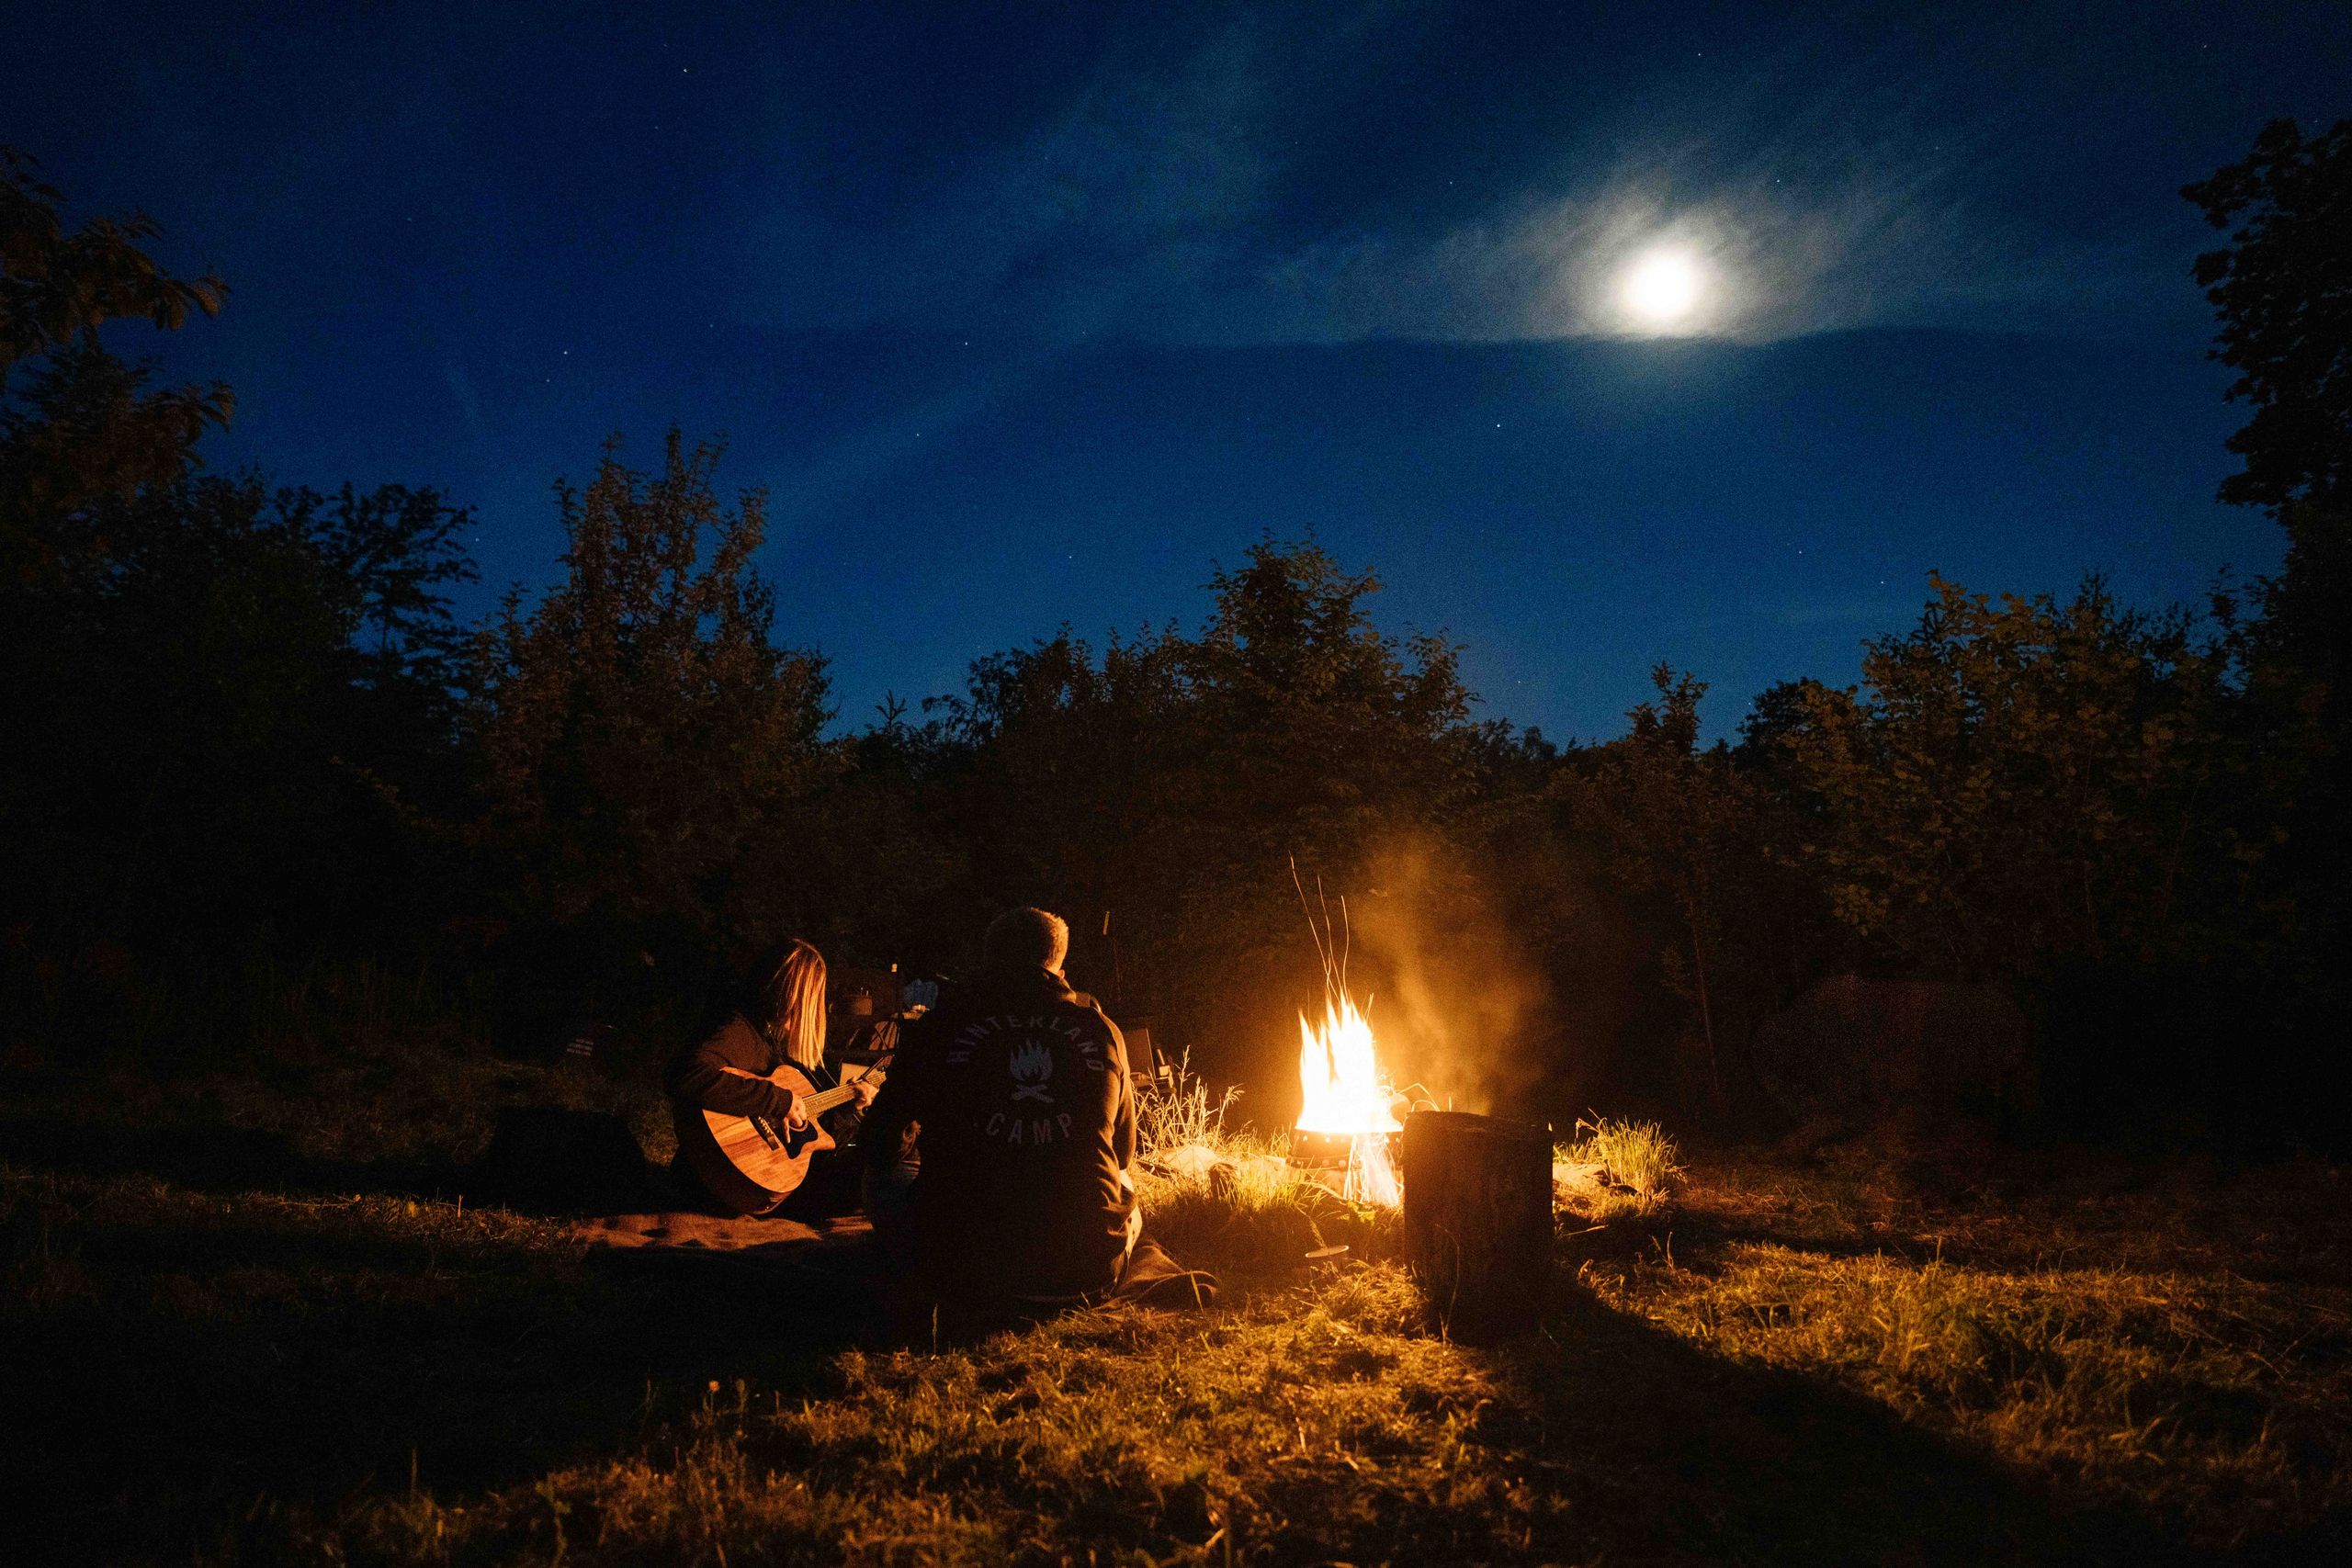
(1662, 288)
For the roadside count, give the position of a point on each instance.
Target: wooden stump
(1478, 1222)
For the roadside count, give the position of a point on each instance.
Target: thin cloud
(1794, 238)
(1152, 207)
(1127, 197)
(1083, 228)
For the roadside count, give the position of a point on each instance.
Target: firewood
(1478, 1222)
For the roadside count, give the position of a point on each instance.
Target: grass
(298, 1353)
(2175, 1345)
(1221, 1191)
(2141, 1386)
(1636, 1155)
(1614, 1172)
(1179, 1114)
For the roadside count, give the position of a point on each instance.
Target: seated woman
(778, 1021)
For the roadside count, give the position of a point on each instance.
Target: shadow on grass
(1647, 1448)
(213, 1360)
(207, 1158)
(580, 1163)
(170, 1373)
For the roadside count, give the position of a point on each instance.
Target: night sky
(1035, 314)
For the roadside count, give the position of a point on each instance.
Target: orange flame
(1339, 1071)
(1345, 1093)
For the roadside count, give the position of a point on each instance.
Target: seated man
(1019, 1084)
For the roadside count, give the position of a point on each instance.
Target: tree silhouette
(641, 745)
(2013, 784)
(218, 688)
(1674, 818)
(86, 428)
(2282, 290)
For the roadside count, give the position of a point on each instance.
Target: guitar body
(749, 1163)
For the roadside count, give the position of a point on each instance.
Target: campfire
(1347, 1109)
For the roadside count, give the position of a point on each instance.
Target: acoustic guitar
(752, 1163)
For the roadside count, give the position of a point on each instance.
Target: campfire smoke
(1464, 1009)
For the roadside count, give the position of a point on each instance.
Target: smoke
(1457, 1004)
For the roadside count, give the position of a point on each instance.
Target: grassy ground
(238, 1325)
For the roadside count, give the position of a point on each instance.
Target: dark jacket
(1028, 1131)
(697, 1075)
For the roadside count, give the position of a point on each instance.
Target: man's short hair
(1026, 939)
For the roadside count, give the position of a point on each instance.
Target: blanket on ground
(830, 1266)
(690, 1231)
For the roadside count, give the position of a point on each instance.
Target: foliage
(1157, 787)
(222, 693)
(61, 287)
(2018, 782)
(2282, 289)
(643, 747)
(214, 716)
(1679, 821)
(2282, 293)
(86, 430)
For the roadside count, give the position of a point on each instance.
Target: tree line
(244, 718)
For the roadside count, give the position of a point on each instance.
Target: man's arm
(899, 1105)
(1123, 1125)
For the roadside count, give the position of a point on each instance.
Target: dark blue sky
(1032, 315)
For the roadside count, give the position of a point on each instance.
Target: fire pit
(1320, 1151)
(1347, 1119)
(1348, 1115)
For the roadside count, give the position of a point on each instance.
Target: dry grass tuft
(1177, 1112)
(1616, 1170)
(1216, 1190)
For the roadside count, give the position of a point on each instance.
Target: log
(1478, 1222)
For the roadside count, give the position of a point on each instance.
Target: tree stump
(1478, 1222)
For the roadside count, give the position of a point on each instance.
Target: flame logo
(1031, 1065)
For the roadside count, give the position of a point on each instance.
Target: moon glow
(1661, 289)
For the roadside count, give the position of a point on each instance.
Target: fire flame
(1346, 1094)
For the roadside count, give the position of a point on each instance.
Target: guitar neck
(824, 1099)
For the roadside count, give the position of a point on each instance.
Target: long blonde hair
(789, 987)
